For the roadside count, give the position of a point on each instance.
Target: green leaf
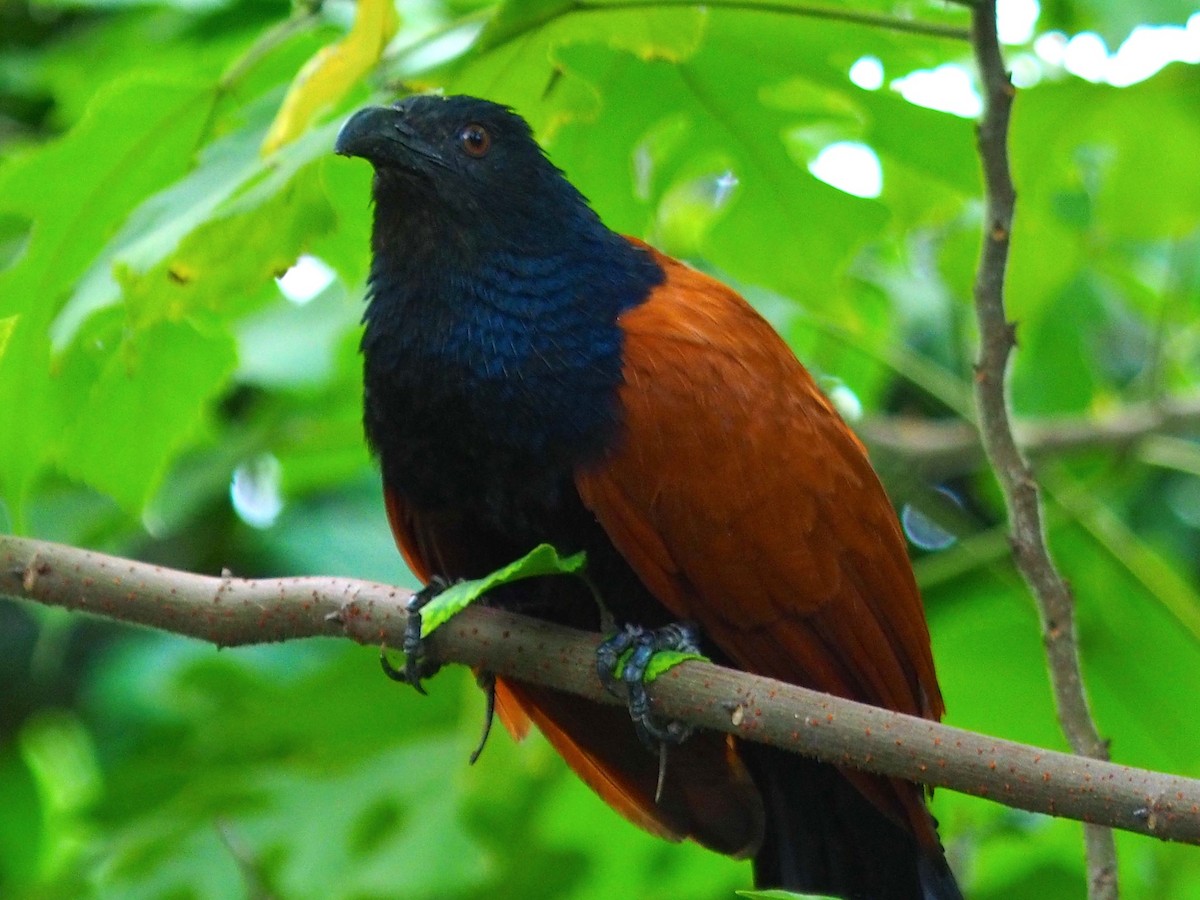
(660, 663)
(223, 266)
(985, 632)
(1082, 150)
(541, 560)
(776, 894)
(279, 744)
(25, 826)
(555, 852)
(519, 60)
(721, 100)
(1113, 20)
(14, 235)
(1056, 370)
(210, 238)
(670, 34)
(145, 401)
(515, 19)
(7, 326)
(331, 73)
(665, 660)
(158, 225)
(285, 345)
(136, 137)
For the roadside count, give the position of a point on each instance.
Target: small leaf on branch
(542, 560)
(661, 663)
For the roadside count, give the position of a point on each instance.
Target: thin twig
(232, 611)
(1055, 600)
(774, 7)
(943, 448)
(802, 10)
(303, 16)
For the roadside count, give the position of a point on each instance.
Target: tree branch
(940, 449)
(1055, 600)
(230, 611)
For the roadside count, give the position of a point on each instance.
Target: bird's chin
(404, 179)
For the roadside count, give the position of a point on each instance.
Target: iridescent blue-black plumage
(491, 339)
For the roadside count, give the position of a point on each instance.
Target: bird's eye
(475, 140)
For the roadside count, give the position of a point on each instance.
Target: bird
(531, 376)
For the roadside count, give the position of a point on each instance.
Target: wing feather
(744, 502)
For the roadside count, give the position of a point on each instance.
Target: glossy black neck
(497, 351)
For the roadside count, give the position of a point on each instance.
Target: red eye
(475, 140)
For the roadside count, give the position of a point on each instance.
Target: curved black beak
(380, 135)
(364, 133)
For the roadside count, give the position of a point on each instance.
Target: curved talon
(417, 665)
(388, 669)
(642, 644)
(609, 653)
(487, 681)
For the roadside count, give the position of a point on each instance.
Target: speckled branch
(229, 611)
(1022, 497)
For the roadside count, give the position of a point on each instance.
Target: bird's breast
(488, 417)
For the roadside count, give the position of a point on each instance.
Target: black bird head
(470, 164)
(494, 297)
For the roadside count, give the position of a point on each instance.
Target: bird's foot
(626, 658)
(418, 665)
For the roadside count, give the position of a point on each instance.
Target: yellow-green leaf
(333, 71)
(7, 324)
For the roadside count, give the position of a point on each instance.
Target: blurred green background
(164, 395)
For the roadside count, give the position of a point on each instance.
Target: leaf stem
(946, 447)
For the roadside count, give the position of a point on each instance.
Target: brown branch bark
(944, 448)
(230, 611)
(1055, 599)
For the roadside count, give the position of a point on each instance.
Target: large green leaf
(147, 399)
(280, 744)
(711, 99)
(153, 230)
(137, 136)
(224, 263)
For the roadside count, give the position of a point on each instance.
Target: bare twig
(801, 10)
(304, 15)
(947, 447)
(1022, 498)
(231, 611)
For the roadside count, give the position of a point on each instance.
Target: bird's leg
(641, 645)
(417, 664)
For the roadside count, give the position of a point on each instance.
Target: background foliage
(161, 397)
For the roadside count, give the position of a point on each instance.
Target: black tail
(823, 836)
